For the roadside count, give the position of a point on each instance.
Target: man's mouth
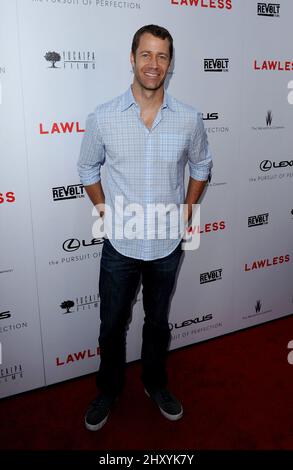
(152, 74)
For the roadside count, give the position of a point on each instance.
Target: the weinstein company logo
(72, 191)
(86, 302)
(269, 118)
(256, 220)
(211, 276)
(269, 122)
(268, 9)
(71, 60)
(216, 65)
(257, 306)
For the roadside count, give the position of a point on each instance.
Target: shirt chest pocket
(171, 147)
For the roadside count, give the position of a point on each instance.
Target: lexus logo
(265, 165)
(71, 245)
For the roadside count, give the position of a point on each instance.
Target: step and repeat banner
(58, 60)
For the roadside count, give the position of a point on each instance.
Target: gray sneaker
(169, 406)
(98, 411)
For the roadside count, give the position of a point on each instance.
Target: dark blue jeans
(119, 280)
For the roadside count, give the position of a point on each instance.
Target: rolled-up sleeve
(92, 153)
(199, 156)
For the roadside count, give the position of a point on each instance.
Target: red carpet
(237, 392)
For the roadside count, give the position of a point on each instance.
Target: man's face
(151, 61)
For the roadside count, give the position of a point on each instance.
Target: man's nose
(154, 61)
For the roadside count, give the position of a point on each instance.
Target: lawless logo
(61, 128)
(286, 65)
(73, 244)
(220, 4)
(73, 60)
(216, 65)
(267, 165)
(257, 306)
(256, 220)
(73, 191)
(83, 303)
(211, 276)
(211, 227)
(7, 197)
(77, 356)
(192, 321)
(4, 315)
(266, 263)
(210, 116)
(268, 9)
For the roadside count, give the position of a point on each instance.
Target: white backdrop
(242, 273)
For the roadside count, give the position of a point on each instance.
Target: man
(144, 137)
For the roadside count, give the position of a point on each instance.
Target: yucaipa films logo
(80, 304)
(10, 373)
(71, 60)
(204, 4)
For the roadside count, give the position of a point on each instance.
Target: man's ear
(132, 59)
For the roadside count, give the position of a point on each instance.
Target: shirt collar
(128, 100)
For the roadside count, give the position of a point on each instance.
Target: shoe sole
(95, 427)
(166, 415)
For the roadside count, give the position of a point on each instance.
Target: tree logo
(67, 305)
(53, 57)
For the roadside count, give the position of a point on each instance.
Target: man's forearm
(194, 191)
(96, 194)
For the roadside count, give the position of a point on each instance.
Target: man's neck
(147, 99)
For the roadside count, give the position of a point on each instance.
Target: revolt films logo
(268, 9)
(72, 191)
(216, 65)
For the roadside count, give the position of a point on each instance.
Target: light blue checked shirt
(143, 166)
